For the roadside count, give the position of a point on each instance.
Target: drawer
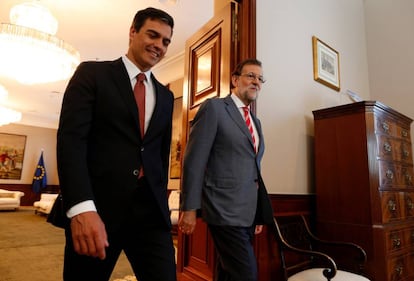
(385, 126)
(398, 239)
(397, 269)
(401, 268)
(393, 149)
(391, 206)
(395, 175)
(404, 134)
(408, 201)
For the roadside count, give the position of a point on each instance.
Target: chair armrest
(348, 255)
(330, 266)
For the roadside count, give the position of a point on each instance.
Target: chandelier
(29, 50)
(7, 115)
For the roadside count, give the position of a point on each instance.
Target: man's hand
(187, 221)
(89, 235)
(258, 229)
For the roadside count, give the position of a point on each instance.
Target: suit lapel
(237, 117)
(259, 132)
(125, 90)
(156, 114)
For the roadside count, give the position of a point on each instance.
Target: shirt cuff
(82, 207)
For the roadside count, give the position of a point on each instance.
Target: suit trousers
(236, 260)
(144, 238)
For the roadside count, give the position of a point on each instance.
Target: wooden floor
(182, 277)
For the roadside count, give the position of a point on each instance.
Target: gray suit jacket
(220, 169)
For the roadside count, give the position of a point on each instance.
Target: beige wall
(284, 44)
(390, 38)
(374, 39)
(36, 139)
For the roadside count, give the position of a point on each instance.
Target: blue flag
(39, 178)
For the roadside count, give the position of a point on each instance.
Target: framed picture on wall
(11, 156)
(176, 151)
(325, 64)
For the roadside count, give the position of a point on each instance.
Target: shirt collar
(133, 70)
(238, 102)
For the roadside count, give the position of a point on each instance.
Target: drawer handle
(406, 153)
(392, 206)
(387, 147)
(390, 174)
(396, 242)
(410, 204)
(408, 178)
(399, 270)
(385, 127)
(404, 133)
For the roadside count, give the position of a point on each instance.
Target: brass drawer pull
(392, 206)
(387, 147)
(389, 174)
(410, 204)
(396, 242)
(385, 127)
(399, 270)
(404, 133)
(406, 153)
(408, 178)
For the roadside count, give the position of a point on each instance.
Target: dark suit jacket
(221, 170)
(99, 147)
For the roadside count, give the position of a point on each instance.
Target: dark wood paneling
(29, 196)
(265, 245)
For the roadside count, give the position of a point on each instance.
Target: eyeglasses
(251, 76)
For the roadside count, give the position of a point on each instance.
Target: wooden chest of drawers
(364, 184)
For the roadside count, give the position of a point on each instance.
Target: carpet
(32, 249)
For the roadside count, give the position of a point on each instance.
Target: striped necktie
(249, 125)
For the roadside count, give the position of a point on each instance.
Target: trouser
(236, 260)
(144, 238)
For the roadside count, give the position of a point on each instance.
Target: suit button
(142, 149)
(135, 172)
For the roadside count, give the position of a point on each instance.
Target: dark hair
(239, 67)
(151, 13)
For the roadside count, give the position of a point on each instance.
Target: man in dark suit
(113, 180)
(221, 175)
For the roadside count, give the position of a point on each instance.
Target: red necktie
(249, 125)
(139, 92)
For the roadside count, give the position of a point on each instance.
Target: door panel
(208, 62)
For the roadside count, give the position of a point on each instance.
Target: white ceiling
(98, 29)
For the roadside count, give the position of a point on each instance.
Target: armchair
(304, 257)
(44, 205)
(10, 200)
(174, 206)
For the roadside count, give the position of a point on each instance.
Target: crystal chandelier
(29, 50)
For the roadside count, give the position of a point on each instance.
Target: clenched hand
(89, 235)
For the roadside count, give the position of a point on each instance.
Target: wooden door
(210, 56)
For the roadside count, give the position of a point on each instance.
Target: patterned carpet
(127, 278)
(27, 240)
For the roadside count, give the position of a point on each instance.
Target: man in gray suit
(221, 175)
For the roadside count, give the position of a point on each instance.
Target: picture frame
(176, 146)
(325, 64)
(12, 149)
